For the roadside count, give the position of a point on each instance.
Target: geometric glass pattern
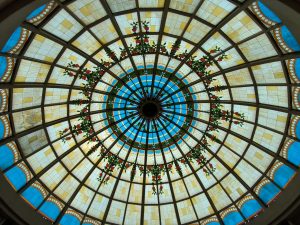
(260, 78)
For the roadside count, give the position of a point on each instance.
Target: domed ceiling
(150, 110)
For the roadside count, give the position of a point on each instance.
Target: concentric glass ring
(174, 111)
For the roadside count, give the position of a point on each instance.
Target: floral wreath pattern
(141, 47)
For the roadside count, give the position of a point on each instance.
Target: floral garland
(157, 171)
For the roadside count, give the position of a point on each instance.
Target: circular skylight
(150, 110)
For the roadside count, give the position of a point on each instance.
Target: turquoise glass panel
(233, 218)
(17, 177)
(283, 175)
(3, 66)
(289, 39)
(69, 220)
(50, 209)
(268, 192)
(268, 13)
(34, 196)
(250, 208)
(13, 40)
(294, 153)
(35, 12)
(298, 123)
(2, 129)
(6, 157)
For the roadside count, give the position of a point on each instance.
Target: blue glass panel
(169, 89)
(289, 39)
(16, 177)
(268, 192)
(298, 128)
(6, 157)
(213, 223)
(50, 209)
(2, 129)
(35, 12)
(69, 220)
(297, 70)
(294, 153)
(13, 40)
(283, 175)
(233, 218)
(250, 208)
(33, 195)
(3, 66)
(268, 13)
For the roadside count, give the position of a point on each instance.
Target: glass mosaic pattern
(261, 78)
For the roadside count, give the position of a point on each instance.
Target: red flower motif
(88, 72)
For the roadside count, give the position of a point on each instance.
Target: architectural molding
(13, 14)
(289, 12)
(16, 208)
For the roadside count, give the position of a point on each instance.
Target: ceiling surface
(260, 78)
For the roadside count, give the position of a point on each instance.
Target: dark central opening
(150, 110)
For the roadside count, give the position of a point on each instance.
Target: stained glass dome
(150, 109)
